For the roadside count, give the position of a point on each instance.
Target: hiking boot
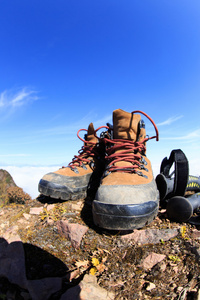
(127, 197)
(81, 176)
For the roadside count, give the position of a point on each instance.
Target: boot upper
(128, 152)
(82, 164)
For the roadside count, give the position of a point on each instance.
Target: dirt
(116, 263)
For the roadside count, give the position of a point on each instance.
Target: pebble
(152, 259)
(72, 231)
(50, 207)
(88, 289)
(151, 236)
(26, 216)
(150, 286)
(36, 210)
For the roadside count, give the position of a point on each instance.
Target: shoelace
(87, 150)
(128, 151)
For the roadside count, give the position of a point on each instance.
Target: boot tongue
(90, 134)
(125, 125)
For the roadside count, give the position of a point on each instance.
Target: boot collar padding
(90, 134)
(125, 125)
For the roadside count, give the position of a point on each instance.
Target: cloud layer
(29, 177)
(169, 121)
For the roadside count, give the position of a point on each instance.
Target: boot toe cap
(127, 194)
(125, 207)
(64, 187)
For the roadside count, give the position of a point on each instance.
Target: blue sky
(64, 64)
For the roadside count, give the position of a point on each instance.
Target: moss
(19, 213)
(55, 214)
(9, 180)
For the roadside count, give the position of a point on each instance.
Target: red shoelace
(86, 151)
(127, 151)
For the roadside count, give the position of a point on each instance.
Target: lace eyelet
(84, 167)
(75, 170)
(143, 161)
(141, 174)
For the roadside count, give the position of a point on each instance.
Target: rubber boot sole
(61, 192)
(124, 217)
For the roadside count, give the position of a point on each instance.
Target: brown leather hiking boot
(127, 197)
(81, 176)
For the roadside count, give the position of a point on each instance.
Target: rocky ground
(52, 250)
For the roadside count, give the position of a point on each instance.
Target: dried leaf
(104, 259)
(101, 267)
(83, 263)
(74, 274)
(106, 251)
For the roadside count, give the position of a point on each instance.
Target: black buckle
(174, 184)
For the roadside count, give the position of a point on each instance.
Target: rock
(5, 177)
(195, 234)
(11, 235)
(77, 206)
(198, 295)
(50, 207)
(88, 289)
(12, 267)
(5, 224)
(150, 286)
(36, 210)
(151, 236)
(73, 232)
(21, 221)
(50, 221)
(26, 216)
(12, 264)
(152, 259)
(6, 181)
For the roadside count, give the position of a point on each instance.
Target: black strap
(181, 171)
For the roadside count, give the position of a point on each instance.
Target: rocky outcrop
(6, 181)
(9, 191)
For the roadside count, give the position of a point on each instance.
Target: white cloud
(103, 121)
(169, 121)
(72, 128)
(190, 136)
(17, 97)
(3, 99)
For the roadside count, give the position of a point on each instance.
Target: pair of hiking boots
(115, 170)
